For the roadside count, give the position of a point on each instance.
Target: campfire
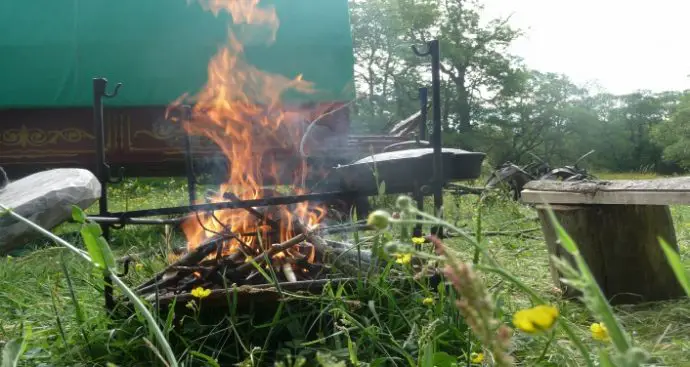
(241, 111)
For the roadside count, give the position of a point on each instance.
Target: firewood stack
(286, 262)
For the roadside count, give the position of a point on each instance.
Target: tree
(673, 135)
(538, 120)
(476, 65)
(386, 78)
(474, 58)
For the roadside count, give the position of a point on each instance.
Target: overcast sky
(623, 45)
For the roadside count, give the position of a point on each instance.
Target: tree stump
(616, 226)
(619, 244)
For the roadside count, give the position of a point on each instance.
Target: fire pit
(225, 268)
(229, 259)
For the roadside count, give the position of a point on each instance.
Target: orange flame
(240, 110)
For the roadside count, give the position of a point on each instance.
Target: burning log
(191, 258)
(253, 211)
(266, 255)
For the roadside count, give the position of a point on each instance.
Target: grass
(376, 323)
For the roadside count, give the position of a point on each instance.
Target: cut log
(617, 237)
(45, 198)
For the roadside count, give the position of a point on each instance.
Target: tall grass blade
(676, 265)
(14, 349)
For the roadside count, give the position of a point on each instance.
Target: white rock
(46, 198)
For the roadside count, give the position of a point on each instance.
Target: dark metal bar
(418, 195)
(279, 200)
(435, 52)
(258, 215)
(189, 159)
(140, 221)
(101, 168)
(433, 49)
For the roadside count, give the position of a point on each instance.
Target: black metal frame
(117, 220)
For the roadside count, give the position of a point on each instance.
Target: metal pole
(99, 85)
(435, 51)
(419, 196)
(103, 171)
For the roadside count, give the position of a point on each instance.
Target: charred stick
(260, 216)
(266, 255)
(191, 269)
(519, 233)
(349, 261)
(343, 228)
(191, 258)
(164, 283)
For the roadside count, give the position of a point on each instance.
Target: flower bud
(403, 202)
(379, 219)
(391, 247)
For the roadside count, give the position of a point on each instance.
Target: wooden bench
(615, 225)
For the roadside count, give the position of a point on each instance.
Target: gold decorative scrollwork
(24, 137)
(159, 131)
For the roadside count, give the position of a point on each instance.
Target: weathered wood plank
(664, 191)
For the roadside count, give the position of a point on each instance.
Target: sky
(620, 45)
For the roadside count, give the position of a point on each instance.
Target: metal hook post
(433, 50)
(103, 170)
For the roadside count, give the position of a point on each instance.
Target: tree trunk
(619, 244)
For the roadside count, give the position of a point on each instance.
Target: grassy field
(59, 297)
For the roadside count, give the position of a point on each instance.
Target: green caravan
(51, 50)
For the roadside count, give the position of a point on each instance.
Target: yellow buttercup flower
(139, 267)
(403, 258)
(200, 292)
(428, 301)
(536, 319)
(418, 240)
(599, 331)
(477, 357)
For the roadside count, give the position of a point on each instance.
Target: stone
(46, 198)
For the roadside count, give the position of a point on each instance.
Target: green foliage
(674, 133)
(375, 323)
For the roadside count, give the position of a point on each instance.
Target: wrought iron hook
(100, 85)
(422, 54)
(114, 93)
(114, 179)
